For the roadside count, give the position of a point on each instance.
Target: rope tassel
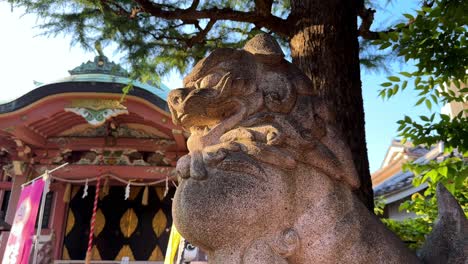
(166, 190)
(85, 190)
(127, 191)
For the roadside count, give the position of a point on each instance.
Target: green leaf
(420, 101)
(450, 187)
(389, 93)
(394, 36)
(445, 117)
(400, 25)
(424, 118)
(395, 88)
(393, 78)
(428, 104)
(386, 84)
(382, 93)
(443, 170)
(406, 74)
(404, 84)
(417, 181)
(457, 83)
(426, 9)
(408, 16)
(385, 45)
(432, 174)
(417, 81)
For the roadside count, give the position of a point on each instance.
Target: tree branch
(268, 21)
(194, 5)
(263, 7)
(367, 16)
(201, 35)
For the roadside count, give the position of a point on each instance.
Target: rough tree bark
(325, 47)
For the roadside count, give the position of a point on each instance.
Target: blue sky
(24, 58)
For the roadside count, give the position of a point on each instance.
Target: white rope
(85, 190)
(130, 182)
(127, 191)
(167, 187)
(47, 172)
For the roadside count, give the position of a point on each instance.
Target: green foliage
(411, 231)
(152, 46)
(428, 131)
(452, 172)
(379, 205)
(435, 40)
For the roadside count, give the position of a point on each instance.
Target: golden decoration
(96, 104)
(156, 255)
(70, 222)
(159, 223)
(160, 192)
(67, 193)
(102, 195)
(134, 191)
(100, 222)
(144, 198)
(65, 255)
(75, 190)
(128, 223)
(105, 188)
(95, 254)
(125, 251)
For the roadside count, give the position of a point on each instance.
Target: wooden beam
(7, 144)
(28, 136)
(180, 139)
(85, 143)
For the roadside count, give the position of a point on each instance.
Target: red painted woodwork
(5, 185)
(31, 134)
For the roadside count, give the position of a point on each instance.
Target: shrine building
(131, 145)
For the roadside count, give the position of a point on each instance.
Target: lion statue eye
(210, 80)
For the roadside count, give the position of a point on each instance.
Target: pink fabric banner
(18, 248)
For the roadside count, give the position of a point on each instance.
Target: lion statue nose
(176, 97)
(175, 101)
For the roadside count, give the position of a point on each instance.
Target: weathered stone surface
(268, 179)
(448, 242)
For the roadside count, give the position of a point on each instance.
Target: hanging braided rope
(132, 182)
(93, 221)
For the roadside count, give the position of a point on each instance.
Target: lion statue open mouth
(268, 179)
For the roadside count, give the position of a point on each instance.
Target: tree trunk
(325, 47)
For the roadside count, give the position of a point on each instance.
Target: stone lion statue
(268, 179)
